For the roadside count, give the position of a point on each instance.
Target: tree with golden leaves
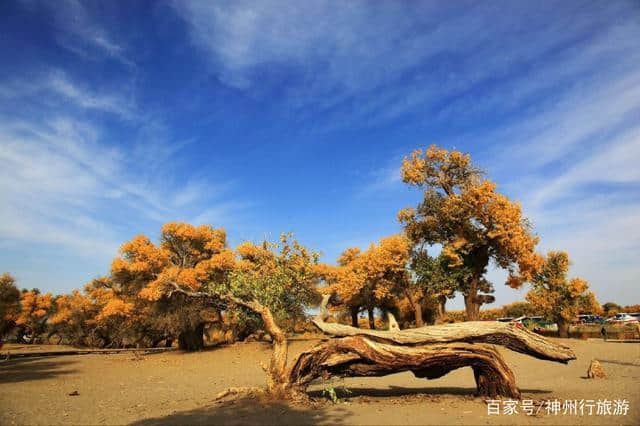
(104, 316)
(588, 304)
(433, 278)
(386, 273)
(74, 318)
(273, 280)
(344, 281)
(632, 308)
(371, 278)
(559, 298)
(123, 319)
(404, 309)
(9, 303)
(519, 309)
(472, 221)
(188, 257)
(34, 308)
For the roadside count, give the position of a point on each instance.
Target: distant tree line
(158, 294)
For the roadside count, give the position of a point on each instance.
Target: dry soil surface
(178, 388)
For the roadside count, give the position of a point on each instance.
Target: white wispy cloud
(546, 98)
(65, 184)
(364, 64)
(222, 213)
(54, 88)
(382, 180)
(46, 195)
(561, 134)
(613, 162)
(79, 29)
(84, 98)
(583, 195)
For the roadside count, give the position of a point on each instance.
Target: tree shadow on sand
(252, 412)
(22, 370)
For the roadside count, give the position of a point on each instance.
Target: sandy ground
(178, 388)
(24, 348)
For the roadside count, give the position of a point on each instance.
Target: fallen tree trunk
(429, 352)
(491, 332)
(361, 356)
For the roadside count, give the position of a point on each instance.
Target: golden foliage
(559, 298)
(115, 307)
(140, 260)
(188, 257)
(490, 219)
(632, 308)
(9, 301)
(473, 222)
(33, 308)
(68, 307)
(280, 275)
(368, 278)
(438, 167)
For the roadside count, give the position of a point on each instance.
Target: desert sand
(178, 388)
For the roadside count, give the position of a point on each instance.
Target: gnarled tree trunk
(472, 300)
(418, 313)
(428, 352)
(372, 319)
(442, 303)
(417, 308)
(563, 328)
(354, 316)
(192, 339)
(277, 384)
(471, 305)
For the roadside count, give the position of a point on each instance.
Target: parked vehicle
(589, 319)
(621, 319)
(537, 321)
(618, 322)
(531, 323)
(519, 322)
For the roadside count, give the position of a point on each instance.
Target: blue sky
(273, 116)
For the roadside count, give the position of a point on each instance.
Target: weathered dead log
(429, 352)
(493, 332)
(496, 333)
(361, 356)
